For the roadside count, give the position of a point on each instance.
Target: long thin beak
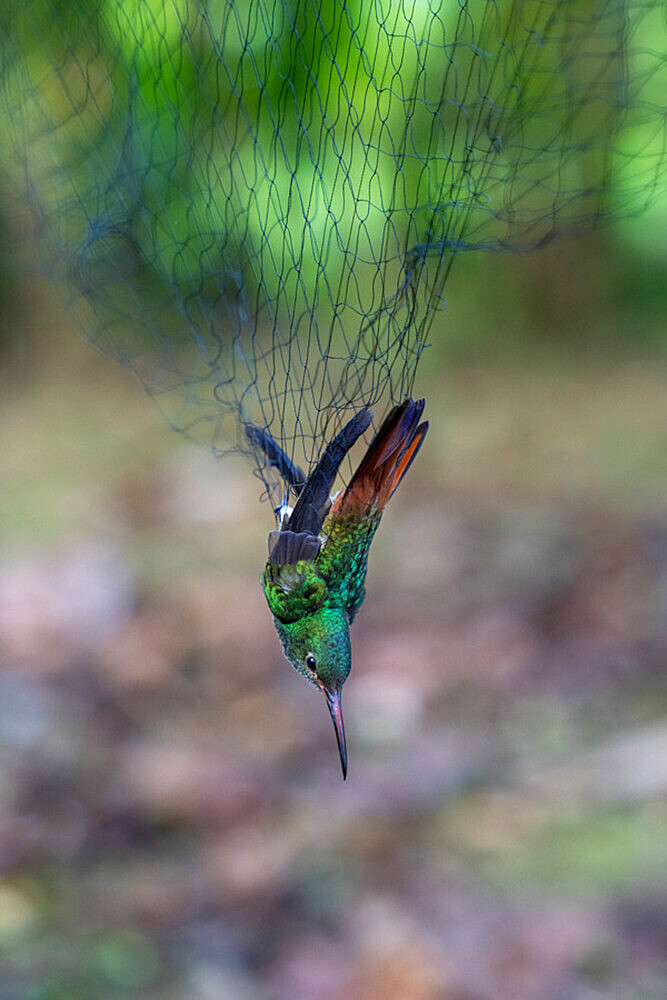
(333, 701)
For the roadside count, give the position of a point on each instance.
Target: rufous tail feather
(388, 458)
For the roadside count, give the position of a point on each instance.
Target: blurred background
(172, 819)
(173, 825)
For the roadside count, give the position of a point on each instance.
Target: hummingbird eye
(311, 662)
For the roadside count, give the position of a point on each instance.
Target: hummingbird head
(318, 646)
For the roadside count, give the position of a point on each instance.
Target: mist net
(258, 202)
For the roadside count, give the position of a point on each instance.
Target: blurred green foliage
(188, 149)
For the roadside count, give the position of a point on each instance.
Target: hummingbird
(314, 579)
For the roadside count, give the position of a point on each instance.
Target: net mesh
(258, 202)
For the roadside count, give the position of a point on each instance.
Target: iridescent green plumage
(344, 558)
(293, 592)
(314, 580)
(334, 580)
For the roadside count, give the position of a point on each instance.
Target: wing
(313, 503)
(293, 476)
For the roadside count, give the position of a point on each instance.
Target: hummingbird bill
(314, 579)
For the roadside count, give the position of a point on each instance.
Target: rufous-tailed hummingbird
(314, 577)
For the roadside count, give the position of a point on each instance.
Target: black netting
(258, 202)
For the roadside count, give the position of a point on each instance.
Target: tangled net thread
(258, 203)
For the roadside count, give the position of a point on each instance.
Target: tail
(311, 507)
(388, 458)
